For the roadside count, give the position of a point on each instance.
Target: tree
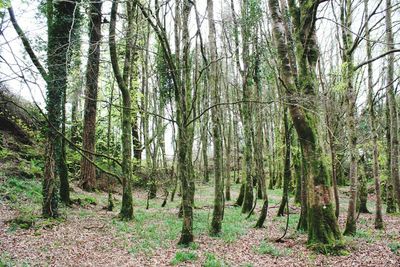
(126, 122)
(216, 223)
(348, 46)
(59, 21)
(88, 170)
(390, 91)
(322, 225)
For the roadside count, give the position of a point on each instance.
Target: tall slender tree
(216, 223)
(390, 91)
(126, 122)
(88, 170)
(348, 74)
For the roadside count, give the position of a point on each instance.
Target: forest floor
(88, 235)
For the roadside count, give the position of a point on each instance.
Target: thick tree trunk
(322, 224)
(60, 16)
(88, 170)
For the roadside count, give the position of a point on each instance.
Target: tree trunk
(286, 172)
(372, 121)
(126, 212)
(216, 222)
(247, 111)
(394, 141)
(88, 170)
(390, 201)
(60, 17)
(62, 161)
(185, 140)
(322, 224)
(346, 19)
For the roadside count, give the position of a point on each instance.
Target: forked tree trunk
(322, 224)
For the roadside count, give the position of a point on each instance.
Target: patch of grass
(6, 260)
(90, 200)
(213, 261)
(270, 249)
(366, 235)
(184, 256)
(235, 224)
(395, 248)
(5, 153)
(17, 190)
(149, 230)
(84, 213)
(24, 221)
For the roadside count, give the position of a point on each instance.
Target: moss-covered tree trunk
(287, 174)
(62, 161)
(59, 22)
(216, 222)
(88, 170)
(322, 224)
(126, 212)
(372, 121)
(348, 73)
(204, 140)
(228, 143)
(390, 200)
(394, 139)
(259, 138)
(185, 138)
(363, 187)
(246, 109)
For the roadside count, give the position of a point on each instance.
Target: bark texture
(88, 170)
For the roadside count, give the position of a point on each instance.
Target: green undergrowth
(7, 261)
(395, 248)
(271, 249)
(158, 227)
(17, 191)
(152, 229)
(184, 256)
(212, 261)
